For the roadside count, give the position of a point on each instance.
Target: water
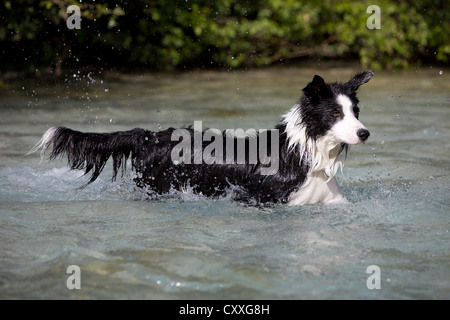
(183, 247)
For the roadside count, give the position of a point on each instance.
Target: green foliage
(219, 34)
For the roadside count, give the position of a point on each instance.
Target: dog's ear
(315, 88)
(358, 80)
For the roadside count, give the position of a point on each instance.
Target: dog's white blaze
(345, 130)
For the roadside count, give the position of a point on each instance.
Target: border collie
(312, 136)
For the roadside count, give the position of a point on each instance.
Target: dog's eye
(336, 114)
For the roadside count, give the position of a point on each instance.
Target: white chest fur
(317, 189)
(322, 154)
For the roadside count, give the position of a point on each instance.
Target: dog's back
(155, 170)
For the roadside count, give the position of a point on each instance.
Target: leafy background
(223, 34)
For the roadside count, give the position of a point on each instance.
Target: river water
(188, 247)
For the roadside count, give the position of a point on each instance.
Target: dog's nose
(363, 134)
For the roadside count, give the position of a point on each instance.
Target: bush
(221, 34)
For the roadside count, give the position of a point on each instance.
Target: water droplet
(110, 120)
(441, 73)
(106, 90)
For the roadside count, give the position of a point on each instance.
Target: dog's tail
(90, 151)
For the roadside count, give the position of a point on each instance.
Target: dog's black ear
(358, 80)
(315, 88)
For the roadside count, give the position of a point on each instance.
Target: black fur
(150, 154)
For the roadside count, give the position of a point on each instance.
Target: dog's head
(332, 110)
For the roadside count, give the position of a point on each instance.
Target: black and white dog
(297, 162)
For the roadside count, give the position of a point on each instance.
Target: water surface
(129, 246)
